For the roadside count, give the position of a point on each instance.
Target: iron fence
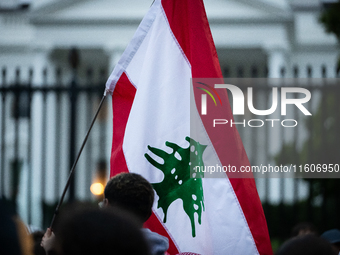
(42, 126)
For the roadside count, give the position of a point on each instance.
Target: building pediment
(91, 12)
(131, 11)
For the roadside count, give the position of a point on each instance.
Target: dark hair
(307, 245)
(9, 236)
(304, 228)
(131, 192)
(89, 230)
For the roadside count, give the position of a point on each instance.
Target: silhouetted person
(8, 233)
(14, 237)
(135, 194)
(333, 236)
(304, 228)
(306, 245)
(88, 231)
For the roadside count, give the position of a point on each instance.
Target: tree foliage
(330, 18)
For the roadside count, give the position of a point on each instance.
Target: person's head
(85, 230)
(14, 236)
(131, 192)
(9, 235)
(307, 245)
(333, 236)
(304, 228)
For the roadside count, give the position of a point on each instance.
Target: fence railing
(314, 142)
(41, 129)
(43, 125)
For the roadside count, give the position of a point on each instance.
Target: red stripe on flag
(122, 100)
(155, 224)
(190, 26)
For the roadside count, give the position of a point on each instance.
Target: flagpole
(56, 212)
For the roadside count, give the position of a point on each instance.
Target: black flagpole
(76, 161)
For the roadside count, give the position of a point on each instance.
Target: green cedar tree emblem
(177, 182)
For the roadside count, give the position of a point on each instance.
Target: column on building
(277, 61)
(101, 146)
(41, 182)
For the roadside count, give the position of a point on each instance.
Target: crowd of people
(306, 240)
(116, 227)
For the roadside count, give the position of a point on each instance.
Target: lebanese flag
(155, 103)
